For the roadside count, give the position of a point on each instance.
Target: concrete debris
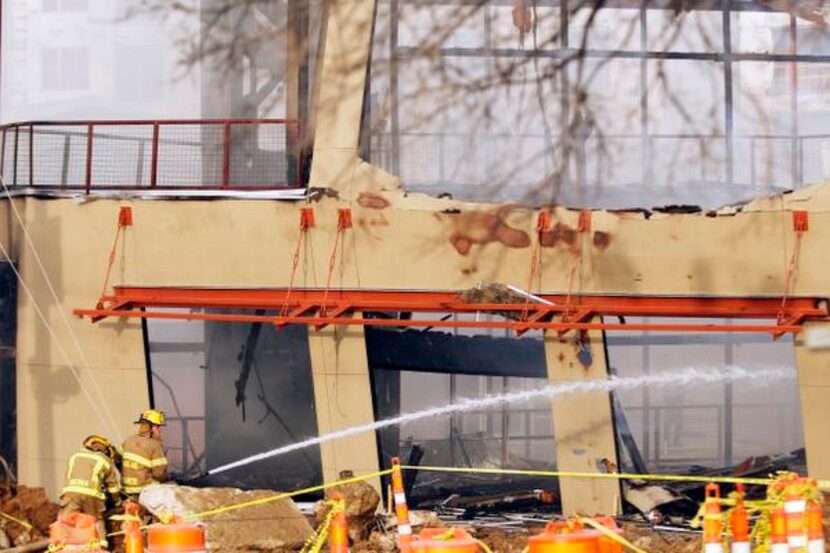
(378, 542)
(472, 507)
(276, 526)
(647, 499)
(417, 519)
(361, 501)
(494, 293)
(31, 506)
(382, 535)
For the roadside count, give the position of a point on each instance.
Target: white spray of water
(686, 377)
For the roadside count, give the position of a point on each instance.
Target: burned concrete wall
(233, 243)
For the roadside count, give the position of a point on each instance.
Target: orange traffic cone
(401, 509)
(339, 529)
(133, 539)
(712, 522)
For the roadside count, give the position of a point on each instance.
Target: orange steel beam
(516, 325)
(318, 308)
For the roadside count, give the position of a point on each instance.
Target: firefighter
(90, 477)
(144, 461)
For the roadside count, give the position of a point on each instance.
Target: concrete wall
(53, 414)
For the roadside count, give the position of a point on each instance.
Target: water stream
(688, 377)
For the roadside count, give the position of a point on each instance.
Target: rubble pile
(275, 526)
(378, 542)
(504, 541)
(361, 501)
(383, 531)
(655, 541)
(492, 293)
(29, 505)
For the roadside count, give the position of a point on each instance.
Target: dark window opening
(8, 358)
(414, 370)
(231, 390)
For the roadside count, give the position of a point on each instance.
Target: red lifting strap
(125, 219)
(306, 223)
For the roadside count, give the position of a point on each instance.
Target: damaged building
(374, 207)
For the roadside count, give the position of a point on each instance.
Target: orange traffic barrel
(574, 537)
(74, 531)
(778, 531)
(739, 522)
(176, 538)
(795, 508)
(815, 528)
(441, 540)
(606, 544)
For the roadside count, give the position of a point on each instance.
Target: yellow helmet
(99, 443)
(152, 416)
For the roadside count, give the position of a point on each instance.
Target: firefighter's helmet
(152, 416)
(99, 443)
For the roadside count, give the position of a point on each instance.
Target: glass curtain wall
(630, 104)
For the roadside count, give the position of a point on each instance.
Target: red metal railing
(239, 154)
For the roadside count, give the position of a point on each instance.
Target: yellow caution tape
(315, 542)
(95, 545)
(17, 520)
(483, 546)
(612, 535)
(601, 475)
